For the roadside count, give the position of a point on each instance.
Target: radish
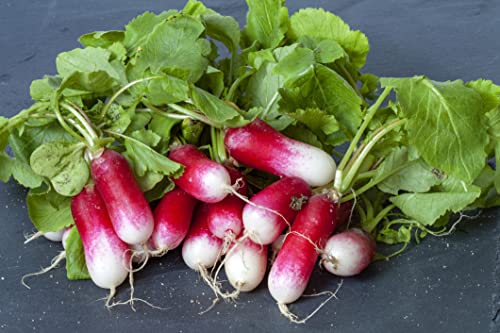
(276, 246)
(54, 236)
(245, 265)
(348, 253)
(225, 217)
(127, 207)
(270, 210)
(260, 146)
(204, 179)
(201, 249)
(295, 262)
(106, 255)
(172, 219)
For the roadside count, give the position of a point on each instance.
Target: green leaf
(89, 60)
(326, 51)
(146, 159)
(215, 109)
(167, 90)
(320, 25)
(175, 47)
(163, 126)
(303, 134)
(445, 124)
(118, 119)
(490, 93)
(267, 23)
(192, 130)
(138, 30)
(224, 29)
(296, 62)
(426, 208)
(64, 164)
(5, 167)
(369, 86)
(76, 268)
(102, 39)
(159, 191)
(24, 174)
(82, 83)
(322, 88)
(42, 90)
(149, 180)
(49, 212)
(147, 137)
(489, 196)
(212, 81)
(4, 132)
(401, 172)
(317, 120)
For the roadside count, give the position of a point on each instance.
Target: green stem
(366, 121)
(366, 175)
(155, 110)
(236, 84)
(65, 125)
(349, 78)
(372, 224)
(90, 135)
(192, 114)
(347, 182)
(122, 90)
(270, 105)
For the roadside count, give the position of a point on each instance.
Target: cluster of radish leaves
(411, 162)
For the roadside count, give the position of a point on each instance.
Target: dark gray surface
(443, 285)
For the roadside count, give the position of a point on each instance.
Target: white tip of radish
(54, 236)
(201, 250)
(245, 265)
(348, 253)
(286, 287)
(261, 224)
(107, 266)
(216, 184)
(315, 166)
(134, 234)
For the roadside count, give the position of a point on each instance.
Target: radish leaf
(76, 268)
(49, 211)
(267, 23)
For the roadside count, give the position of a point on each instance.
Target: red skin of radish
(172, 219)
(225, 217)
(295, 262)
(344, 212)
(204, 179)
(353, 250)
(201, 247)
(106, 255)
(260, 146)
(264, 226)
(127, 207)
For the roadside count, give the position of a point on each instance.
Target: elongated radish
(106, 255)
(127, 207)
(245, 265)
(201, 249)
(172, 219)
(204, 179)
(225, 217)
(272, 208)
(295, 262)
(348, 253)
(260, 146)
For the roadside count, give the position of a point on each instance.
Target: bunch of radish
(211, 211)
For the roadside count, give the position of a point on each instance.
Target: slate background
(444, 285)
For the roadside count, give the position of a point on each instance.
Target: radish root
(285, 311)
(31, 237)
(53, 264)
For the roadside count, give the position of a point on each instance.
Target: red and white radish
(225, 217)
(172, 219)
(260, 146)
(245, 265)
(201, 249)
(295, 262)
(54, 236)
(276, 246)
(106, 255)
(127, 207)
(204, 179)
(348, 253)
(271, 209)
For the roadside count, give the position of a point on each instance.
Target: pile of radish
(231, 159)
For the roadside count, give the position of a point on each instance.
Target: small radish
(348, 253)
(54, 236)
(245, 265)
(172, 219)
(106, 255)
(225, 217)
(201, 249)
(127, 207)
(269, 211)
(204, 179)
(295, 262)
(260, 146)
